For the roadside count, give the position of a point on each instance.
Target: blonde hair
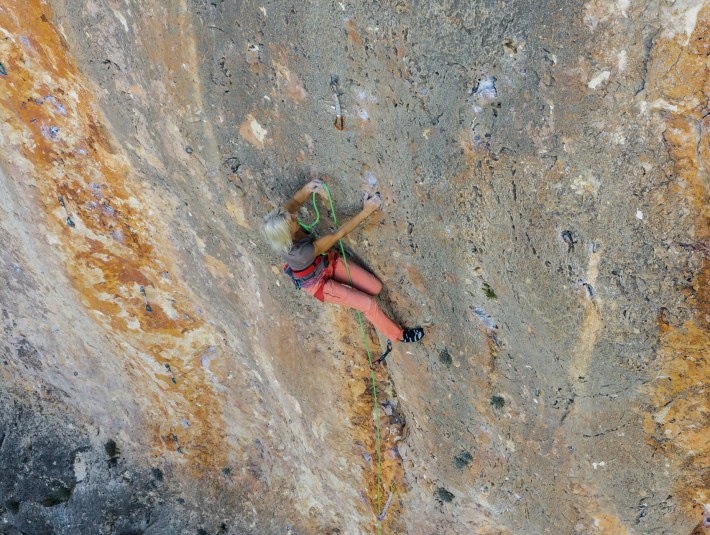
(277, 231)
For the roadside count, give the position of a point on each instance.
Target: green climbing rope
(315, 207)
(367, 346)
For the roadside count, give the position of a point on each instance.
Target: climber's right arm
(370, 204)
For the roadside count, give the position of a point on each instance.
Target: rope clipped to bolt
(380, 512)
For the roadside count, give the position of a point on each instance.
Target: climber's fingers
(371, 202)
(315, 185)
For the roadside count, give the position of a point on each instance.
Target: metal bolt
(145, 298)
(69, 220)
(167, 367)
(175, 438)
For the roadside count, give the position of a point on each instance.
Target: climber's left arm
(302, 195)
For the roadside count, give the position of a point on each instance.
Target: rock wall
(544, 170)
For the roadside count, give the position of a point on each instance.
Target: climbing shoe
(413, 335)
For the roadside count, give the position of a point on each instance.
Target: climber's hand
(322, 191)
(370, 203)
(315, 186)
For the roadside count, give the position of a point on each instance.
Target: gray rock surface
(543, 168)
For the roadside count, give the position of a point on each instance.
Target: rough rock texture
(544, 170)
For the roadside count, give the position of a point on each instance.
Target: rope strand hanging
(380, 512)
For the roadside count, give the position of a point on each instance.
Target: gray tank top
(302, 254)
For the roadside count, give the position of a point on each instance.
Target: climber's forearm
(298, 199)
(326, 242)
(350, 225)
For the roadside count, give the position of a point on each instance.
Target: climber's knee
(377, 286)
(372, 306)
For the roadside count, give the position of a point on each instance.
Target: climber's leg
(342, 294)
(363, 280)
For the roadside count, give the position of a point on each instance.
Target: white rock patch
(598, 79)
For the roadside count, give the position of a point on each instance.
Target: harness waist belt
(310, 271)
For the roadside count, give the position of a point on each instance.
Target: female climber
(324, 276)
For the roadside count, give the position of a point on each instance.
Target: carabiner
(382, 358)
(381, 516)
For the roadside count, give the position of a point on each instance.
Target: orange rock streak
(55, 138)
(679, 427)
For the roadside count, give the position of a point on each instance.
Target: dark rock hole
(445, 358)
(59, 496)
(462, 460)
(497, 401)
(444, 495)
(111, 449)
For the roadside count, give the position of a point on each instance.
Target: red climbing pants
(360, 296)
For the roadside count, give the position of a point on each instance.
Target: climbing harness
(381, 513)
(383, 356)
(302, 278)
(69, 221)
(338, 123)
(381, 516)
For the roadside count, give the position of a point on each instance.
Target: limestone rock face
(544, 174)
